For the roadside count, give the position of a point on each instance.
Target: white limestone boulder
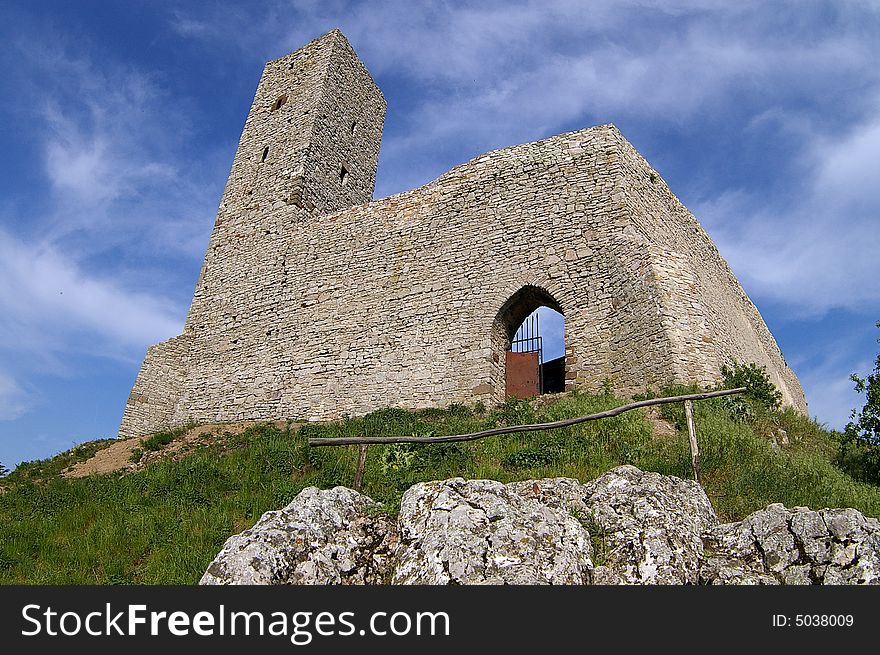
(794, 546)
(647, 527)
(322, 537)
(481, 532)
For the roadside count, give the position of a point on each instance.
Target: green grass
(742, 473)
(45, 469)
(161, 439)
(159, 525)
(164, 524)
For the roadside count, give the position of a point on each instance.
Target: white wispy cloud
(90, 170)
(50, 305)
(667, 76)
(114, 142)
(826, 380)
(84, 267)
(818, 250)
(496, 73)
(14, 400)
(848, 167)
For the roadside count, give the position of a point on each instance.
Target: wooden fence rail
(688, 399)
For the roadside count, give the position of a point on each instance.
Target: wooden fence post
(692, 434)
(359, 474)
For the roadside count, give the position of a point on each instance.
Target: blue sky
(120, 121)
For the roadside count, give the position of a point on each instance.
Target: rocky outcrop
(626, 527)
(648, 526)
(322, 537)
(794, 546)
(645, 527)
(482, 532)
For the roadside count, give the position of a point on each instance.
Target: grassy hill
(163, 522)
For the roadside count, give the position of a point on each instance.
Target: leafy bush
(739, 408)
(396, 458)
(757, 382)
(859, 459)
(860, 442)
(530, 458)
(157, 441)
(865, 425)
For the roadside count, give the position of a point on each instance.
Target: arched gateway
(518, 347)
(315, 301)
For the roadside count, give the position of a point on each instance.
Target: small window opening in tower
(265, 154)
(282, 99)
(354, 125)
(343, 175)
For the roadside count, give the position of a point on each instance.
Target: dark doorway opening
(530, 328)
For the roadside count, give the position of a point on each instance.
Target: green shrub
(157, 441)
(859, 459)
(757, 382)
(865, 423)
(396, 458)
(530, 458)
(859, 448)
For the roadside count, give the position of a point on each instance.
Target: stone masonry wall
(156, 394)
(318, 303)
(710, 318)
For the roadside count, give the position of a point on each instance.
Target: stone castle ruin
(315, 301)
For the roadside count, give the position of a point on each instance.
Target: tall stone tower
(309, 147)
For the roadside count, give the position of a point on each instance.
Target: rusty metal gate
(523, 365)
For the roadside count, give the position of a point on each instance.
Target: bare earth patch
(117, 456)
(659, 425)
(112, 458)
